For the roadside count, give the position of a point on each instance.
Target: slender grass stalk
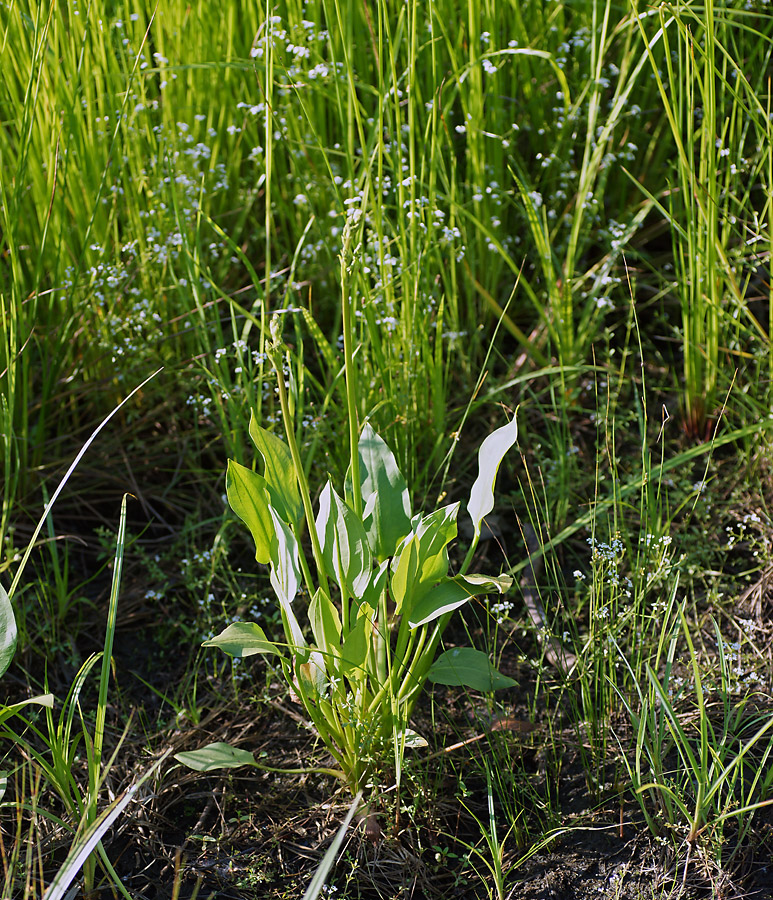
(30, 546)
(350, 375)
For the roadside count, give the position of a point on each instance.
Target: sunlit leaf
(285, 576)
(41, 700)
(487, 583)
(248, 498)
(466, 667)
(376, 585)
(413, 740)
(325, 622)
(490, 455)
(423, 559)
(215, 756)
(285, 564)
(8, 633)
(314, 674)
(405, 567)
(439, 600)
(344, 543)
(317, 885)
(281, 480)
(355, 648)
(242, 639)
(435, 532)
(86, 841)
(384, 495)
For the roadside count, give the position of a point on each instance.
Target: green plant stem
(351, 375)
(104, 678)
(470, 553)
(275, 354)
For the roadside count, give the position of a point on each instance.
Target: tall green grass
(721, 127)
(166, 190)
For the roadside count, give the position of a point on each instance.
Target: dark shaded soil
(252, 836)
(247, 835)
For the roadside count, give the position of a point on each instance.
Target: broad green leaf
(384, 494)
(423, 559)
(490, 455)
(313, 674)
(285, 575)
(435, 533)
(325, 622)
(487, 583)
(452, 593)
(376, 585)
(8, 633)
(405, 567)
(439, 600)
(281, 480)
(242, 639)
(215, 756)
(355, 648)
(466, 667)
(41, 700)
(248, 498)
(344, 543)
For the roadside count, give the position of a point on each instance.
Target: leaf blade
(248, 498)
(441, 599)
(8, 632)
(490, 455)
(466, 667)
(279, 473)
(242, 639)
(218, 755)
(384, 494)
(344, 543)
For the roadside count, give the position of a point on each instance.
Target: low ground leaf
(242, 639)
(466, 667)
(215, 756)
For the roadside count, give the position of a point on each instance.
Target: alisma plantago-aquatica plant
(380, 594)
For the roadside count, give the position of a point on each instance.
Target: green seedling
(378, 585)
(380, 600)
